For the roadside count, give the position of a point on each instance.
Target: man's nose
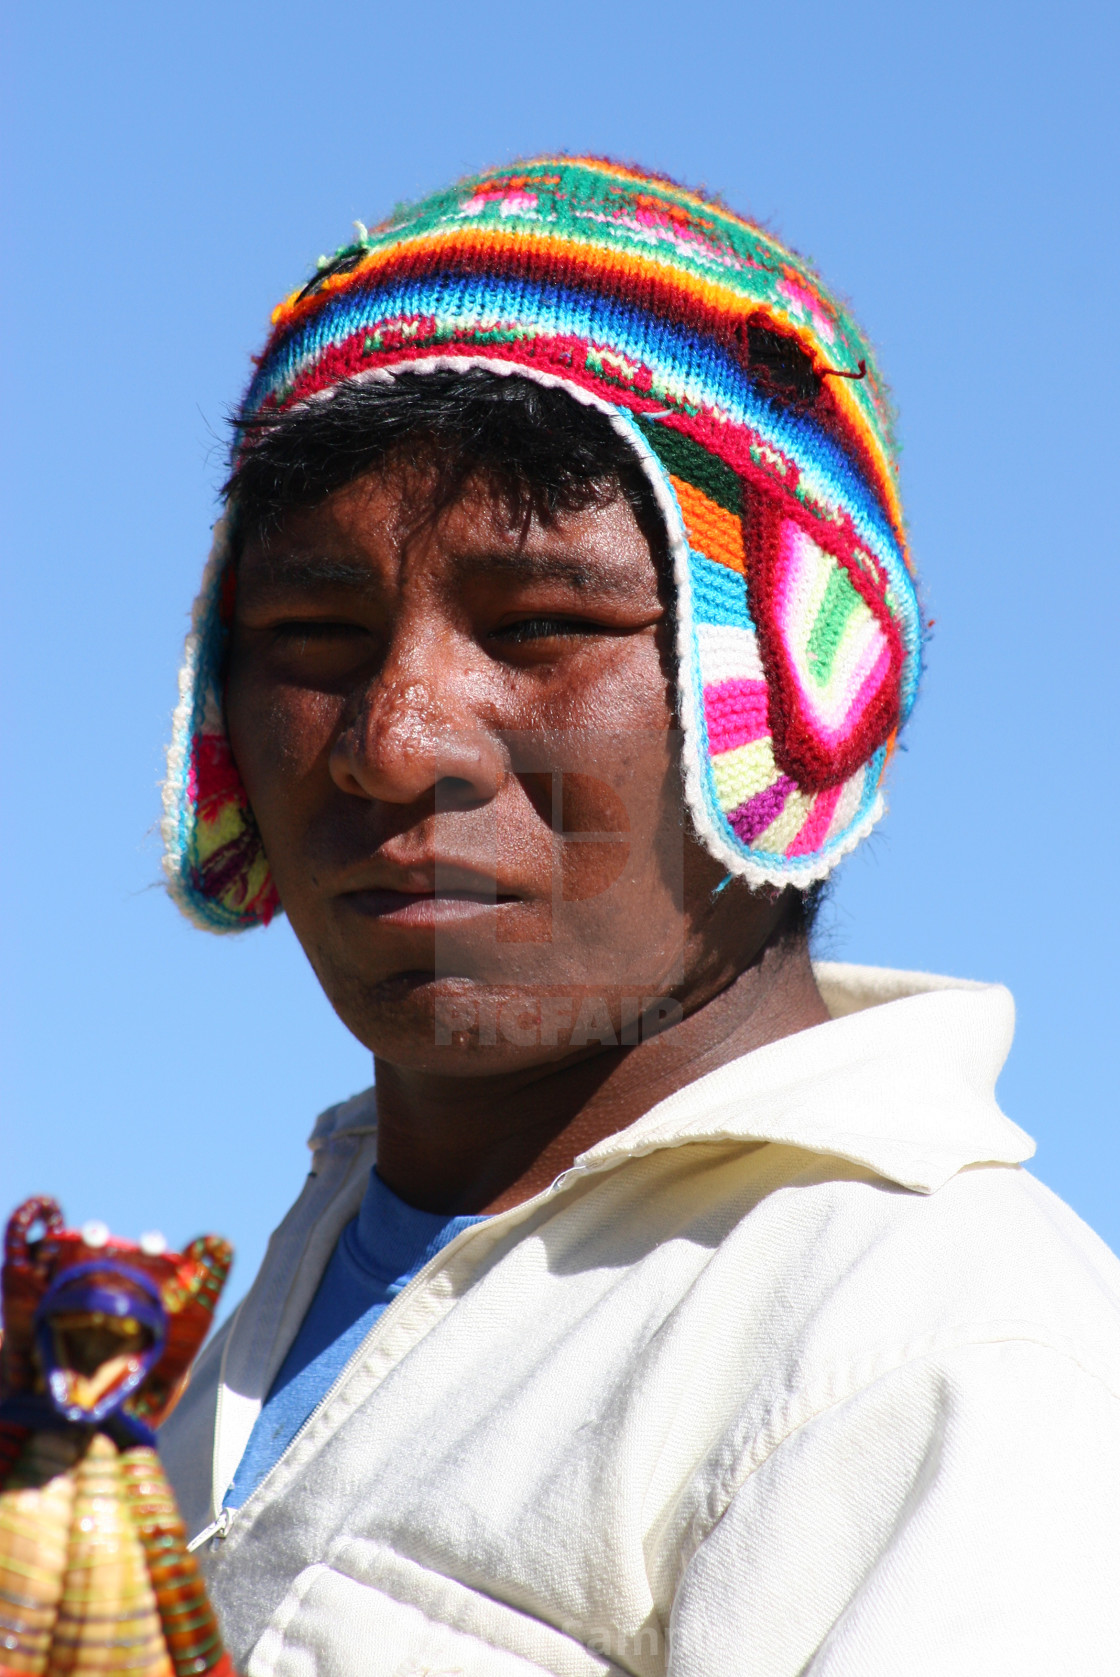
(412, 733)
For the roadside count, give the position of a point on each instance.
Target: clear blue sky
(172, 170)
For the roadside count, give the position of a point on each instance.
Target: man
(678, 1307)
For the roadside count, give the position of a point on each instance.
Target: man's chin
(429, 1023)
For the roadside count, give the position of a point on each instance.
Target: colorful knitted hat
(755, 408)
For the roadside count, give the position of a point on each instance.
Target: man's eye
(542, 628)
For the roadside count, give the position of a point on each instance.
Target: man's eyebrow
(521, 565)
(298, 570)
(308, 571)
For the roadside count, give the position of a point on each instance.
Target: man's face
(432, 715)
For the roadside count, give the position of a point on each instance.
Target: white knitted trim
(178, 813)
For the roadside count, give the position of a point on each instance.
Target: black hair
(542, 452)
(803, 910)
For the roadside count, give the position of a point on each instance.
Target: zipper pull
(217, 1528)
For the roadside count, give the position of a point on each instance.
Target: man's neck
(484, 1144)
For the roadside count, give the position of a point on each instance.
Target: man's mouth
(425, 908)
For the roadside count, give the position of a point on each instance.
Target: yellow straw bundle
(108, 1620)
(35, 1512)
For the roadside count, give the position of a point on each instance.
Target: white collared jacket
(800, 1375)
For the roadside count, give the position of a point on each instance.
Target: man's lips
(423, 908)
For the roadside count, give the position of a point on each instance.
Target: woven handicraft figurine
(98, 1337)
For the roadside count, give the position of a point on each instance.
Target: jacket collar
(900, 1080)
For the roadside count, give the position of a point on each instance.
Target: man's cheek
(595, 844)
(281, 737)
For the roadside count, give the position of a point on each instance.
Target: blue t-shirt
(378, 1253)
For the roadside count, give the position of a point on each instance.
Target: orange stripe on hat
(712, 531)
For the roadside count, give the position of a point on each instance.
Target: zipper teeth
(391, 1309)
(355, 1357)
(306, 1228)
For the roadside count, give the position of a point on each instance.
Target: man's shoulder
(876, 1274)
(1011, 1249)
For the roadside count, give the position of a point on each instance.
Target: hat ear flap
(228, 864)
(215, 863)
(832, 652)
